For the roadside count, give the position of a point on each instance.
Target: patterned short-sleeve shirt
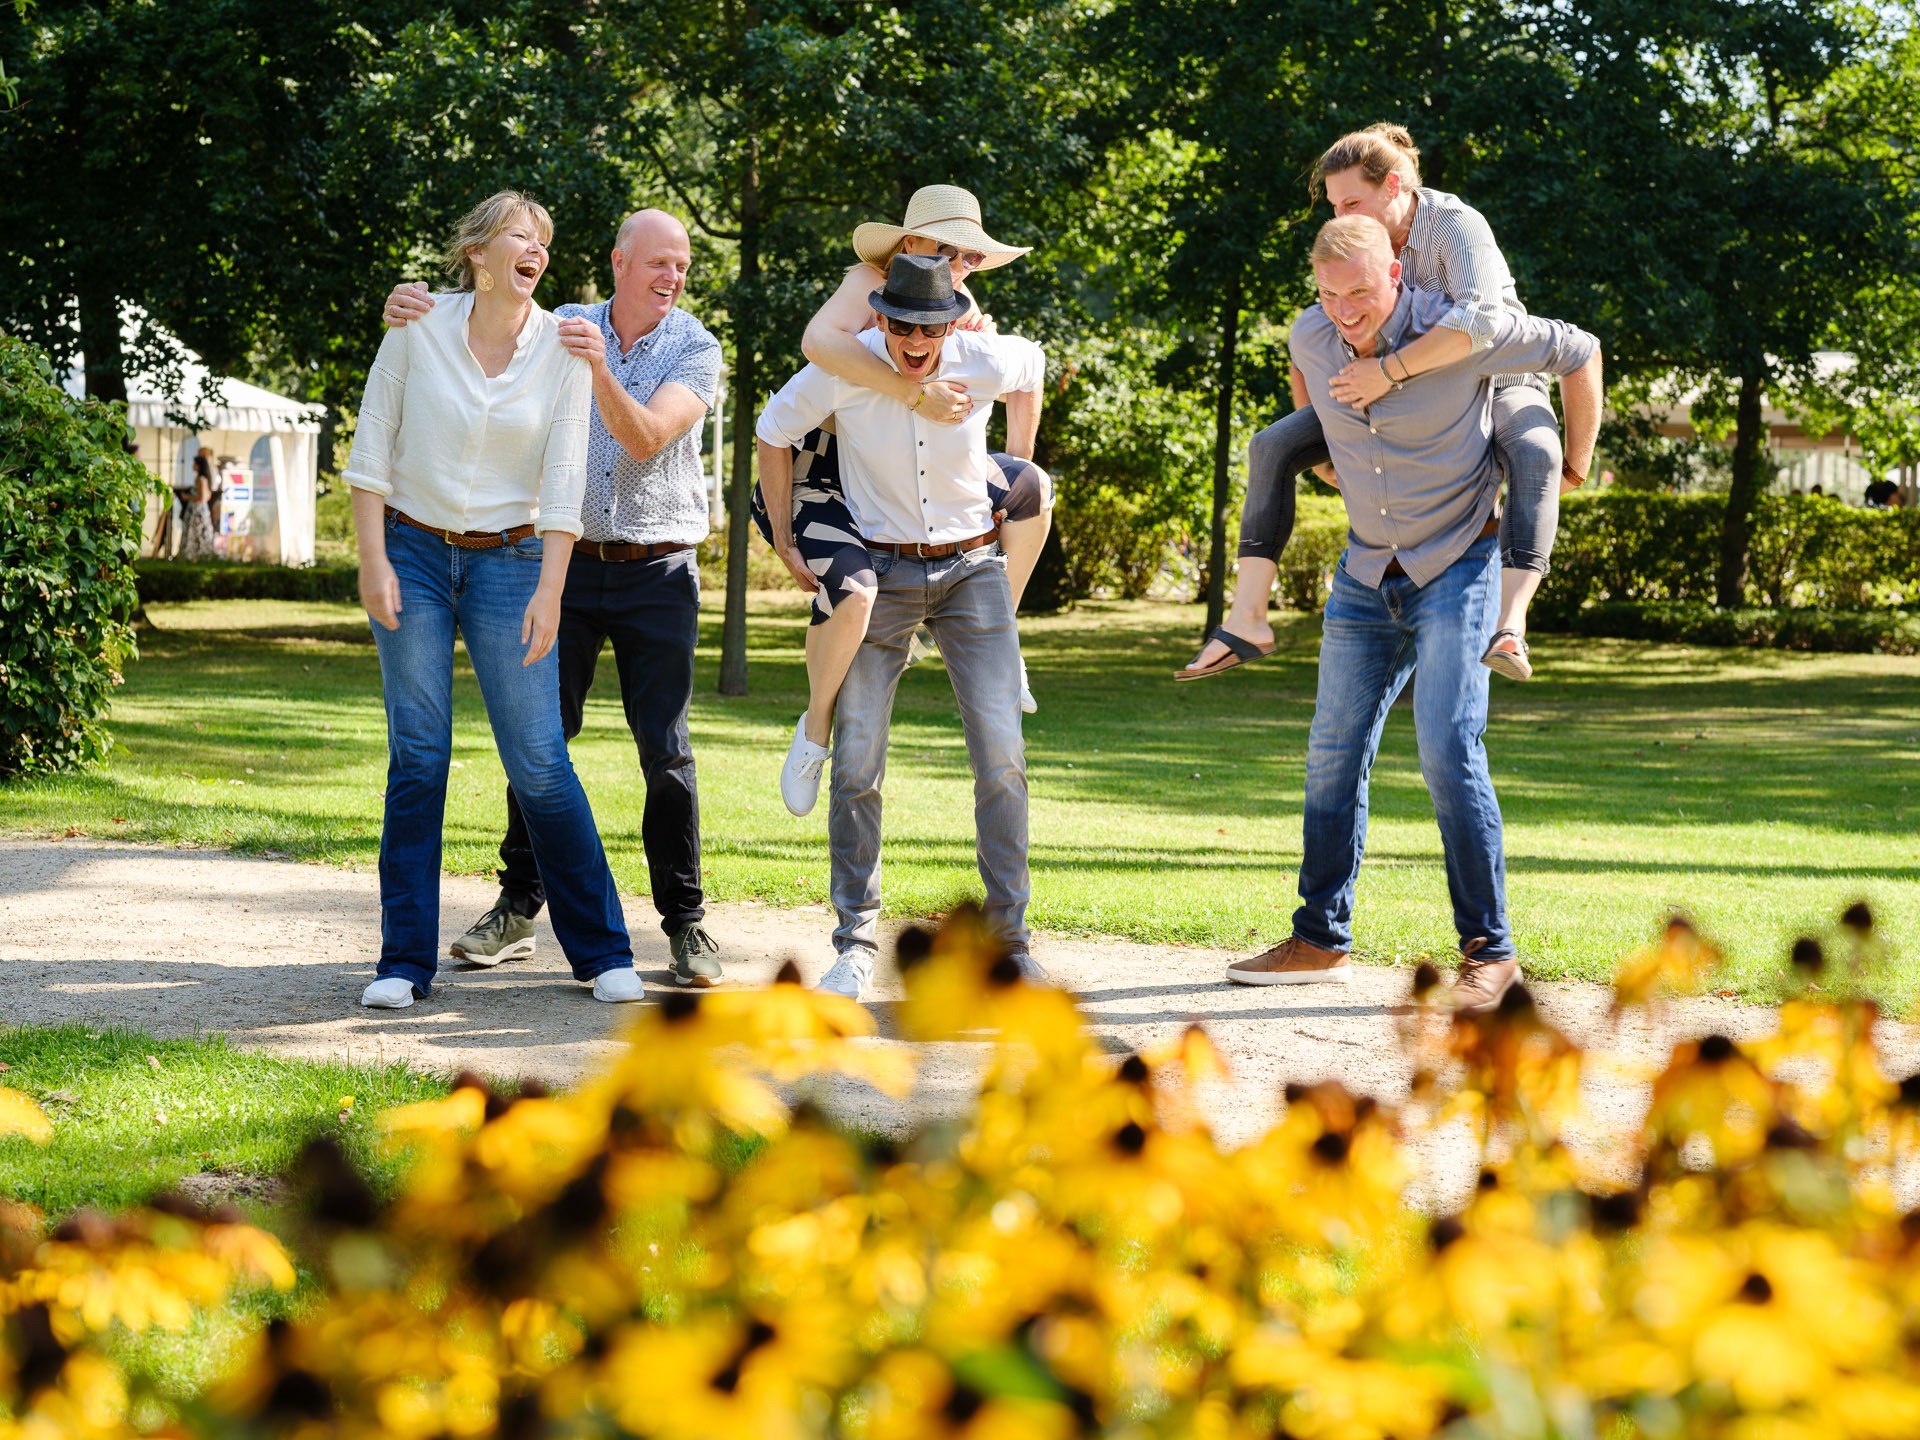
(663, 498)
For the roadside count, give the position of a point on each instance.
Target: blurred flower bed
(1078, 1259)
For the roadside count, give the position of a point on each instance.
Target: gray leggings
(1525, 433)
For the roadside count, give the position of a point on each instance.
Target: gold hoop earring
(482, 281)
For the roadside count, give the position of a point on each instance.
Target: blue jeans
(1372, 642)
(966, 601)
(650, 609)
(483, 594)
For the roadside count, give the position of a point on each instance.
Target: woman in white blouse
(467, 472)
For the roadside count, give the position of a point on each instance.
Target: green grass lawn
(132, 1115)
(1760, 790)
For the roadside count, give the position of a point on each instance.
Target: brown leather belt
(615, 552)
(467, 539)
(1492, 527)
(935, 552)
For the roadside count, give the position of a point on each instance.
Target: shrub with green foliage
(1700, 622)
(163, 581)
(1318, 540)
(71, 505)
(1620, 547)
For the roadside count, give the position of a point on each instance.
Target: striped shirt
(1451, 251)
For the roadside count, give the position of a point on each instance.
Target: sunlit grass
(132, 1115)
(1759, 790)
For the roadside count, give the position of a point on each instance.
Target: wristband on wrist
(1406, 373)
(1387, 375)
(1572, 476)
(918, 398)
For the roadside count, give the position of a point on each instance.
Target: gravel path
(274, 954)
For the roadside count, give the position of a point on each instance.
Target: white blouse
(906, 479)
(453, 449)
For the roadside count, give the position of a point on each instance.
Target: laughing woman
(467, 471)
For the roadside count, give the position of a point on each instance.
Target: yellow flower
(1679, 965)
(1774, 1314)
(19, 1115)
(1711, 1089)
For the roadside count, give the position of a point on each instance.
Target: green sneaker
(498, 935)
(693, 952)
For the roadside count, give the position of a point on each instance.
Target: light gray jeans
(966, 602)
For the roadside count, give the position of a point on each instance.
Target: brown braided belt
(467, 539)
(934, 552)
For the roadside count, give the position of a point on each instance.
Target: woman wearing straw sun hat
(819, 543)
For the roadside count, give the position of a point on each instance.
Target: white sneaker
(393, 993)
(800, 776)
(851, 974)
(1028, 704)
(616, 986)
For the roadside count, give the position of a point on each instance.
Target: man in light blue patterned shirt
(633, 579)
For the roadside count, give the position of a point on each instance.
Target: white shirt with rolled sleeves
(908, 480)
(453, 449)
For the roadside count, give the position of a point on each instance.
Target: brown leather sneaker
(1481, 984)
(1292, 962)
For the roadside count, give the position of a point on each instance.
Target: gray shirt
(1417, 470)
(664, 497)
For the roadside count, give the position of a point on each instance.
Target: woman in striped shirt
(1445, 247)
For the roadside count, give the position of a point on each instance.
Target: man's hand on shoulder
(582, 338)
(408, 302)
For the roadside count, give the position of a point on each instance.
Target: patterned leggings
(823, 528)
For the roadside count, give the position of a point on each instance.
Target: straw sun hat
(942, 213)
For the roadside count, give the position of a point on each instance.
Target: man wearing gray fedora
(918, 495)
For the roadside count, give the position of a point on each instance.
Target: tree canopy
(1718, 188)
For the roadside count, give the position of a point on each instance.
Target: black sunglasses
(907, 327)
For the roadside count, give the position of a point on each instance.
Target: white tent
(266, 451)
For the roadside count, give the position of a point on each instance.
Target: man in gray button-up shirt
(1416, 590)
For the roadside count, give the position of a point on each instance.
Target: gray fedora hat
(919, 288)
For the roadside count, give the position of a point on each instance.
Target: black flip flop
(1239, 652)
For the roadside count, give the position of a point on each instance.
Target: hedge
(173, 580)
(1697, 622)
(1809, 552)
(71, 502)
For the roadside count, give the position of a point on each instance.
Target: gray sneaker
(1031, 970)
(851, 974)
(693, 952)
(500, 934)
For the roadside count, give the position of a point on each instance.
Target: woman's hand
(945, 404)
(541, 623)
(1360, 384)
(380, 591)
(797, 567)
(978, 321)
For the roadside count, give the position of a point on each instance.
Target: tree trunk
(1222, 454)
(1736, 531)
(100, 342)
(746, 405)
